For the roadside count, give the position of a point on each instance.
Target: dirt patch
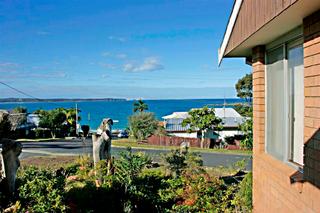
(53, 162)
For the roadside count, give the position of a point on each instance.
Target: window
(276, 103)
(295, 65)
(285, 102)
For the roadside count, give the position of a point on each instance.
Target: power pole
(77, 120)
(224, 106)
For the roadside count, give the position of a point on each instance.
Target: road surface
(75, 148)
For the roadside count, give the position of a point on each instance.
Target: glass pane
(295, 63)
(276, 141)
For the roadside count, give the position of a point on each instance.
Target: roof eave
(229, 29)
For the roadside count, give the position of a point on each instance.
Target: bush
(41, 191)
(42, 133)
(142, 125)
(243, 109)
(247, 129)
(134, 186)
(5, 125)
(177, 162)
(129, 166)
(243, 198)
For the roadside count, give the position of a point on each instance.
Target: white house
(231, 120)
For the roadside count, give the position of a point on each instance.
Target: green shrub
(201, 193)
(243, 198)
(134, 186)
(177, 162)
(129, 165)
(243, 109)
(41, 191)
(142, 125)
(246, 128)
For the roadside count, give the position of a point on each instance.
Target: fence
(176, 141)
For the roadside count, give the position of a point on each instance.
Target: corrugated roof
(220, 112)
(229, 116)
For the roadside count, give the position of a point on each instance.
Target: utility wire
(24, 93)
(19, 91)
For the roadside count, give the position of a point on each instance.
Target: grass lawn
(52, 162)
(133, 144)
(57, 162)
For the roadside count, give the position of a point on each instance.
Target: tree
(19, 109)
(18, 116)
(71, 117)
(140, 106)
(246, 128)
(243, 109)
(202, 119)
(142, 125)
(5, 125)
(244, 88)
(52, 119)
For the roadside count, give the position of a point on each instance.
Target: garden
(179, 183)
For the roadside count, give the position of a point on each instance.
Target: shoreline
(112, 100)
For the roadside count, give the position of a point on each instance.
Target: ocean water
(92, 112)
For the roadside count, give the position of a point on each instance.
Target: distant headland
(14, 100)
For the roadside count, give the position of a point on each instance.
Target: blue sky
(152, 49)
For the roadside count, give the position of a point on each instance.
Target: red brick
(312, 60)
(312, 112)
(313, 70)
(312, 50)
(312, 81)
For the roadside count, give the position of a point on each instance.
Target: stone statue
(9, 165)
(101, 141)
(9, 161)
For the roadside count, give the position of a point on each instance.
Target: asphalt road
(75, 148)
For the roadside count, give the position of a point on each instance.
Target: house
(280, 39)
(231, 120)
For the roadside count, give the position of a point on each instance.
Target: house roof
(230, 119)
(259, 22)
(220, 112)
(33, 119)
(176, 115)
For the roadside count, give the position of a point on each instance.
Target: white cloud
(56, 74)
(107, 65)
(43, 33)
(33, 75)
(114, 55)
(117, 38)
(106, 54)
(8, 66)
(129, 67)
(149, 64)
(121, 56)
(104, 76)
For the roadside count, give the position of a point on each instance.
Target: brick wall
(312, 98)
(273, 190)
(258, 76)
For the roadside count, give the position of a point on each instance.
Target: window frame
(292, 44)
(290, 40)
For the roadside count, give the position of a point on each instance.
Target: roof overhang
(286, 21)
(227, 34)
